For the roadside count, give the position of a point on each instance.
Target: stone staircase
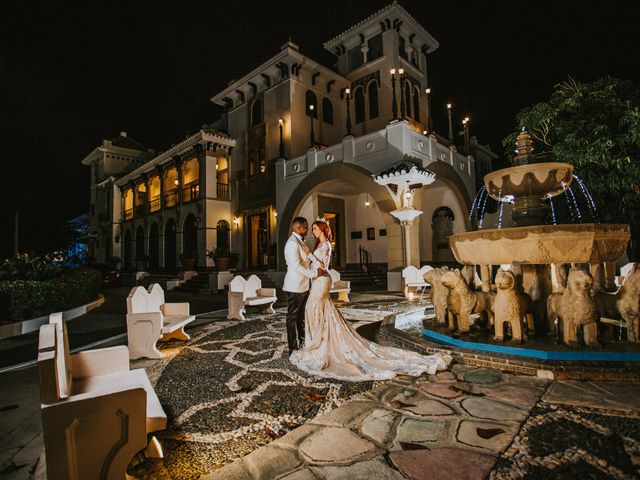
(360, 278)
(199, 284)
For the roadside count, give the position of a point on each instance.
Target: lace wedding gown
(333, 349)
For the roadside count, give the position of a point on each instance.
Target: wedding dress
(333, 349)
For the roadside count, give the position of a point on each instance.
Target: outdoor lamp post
(465, 127)
(428, 122)
(281, 125)
(403, 107)
(394, 102)
(347, 93)
(313, 137)
(450, 123)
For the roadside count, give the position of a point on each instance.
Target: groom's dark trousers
(295, 319)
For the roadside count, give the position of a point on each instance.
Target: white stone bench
(341, 287)
(150, 319)
(249, 292)
(96, 413)
(413, 279)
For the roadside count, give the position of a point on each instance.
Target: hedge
(24, 299)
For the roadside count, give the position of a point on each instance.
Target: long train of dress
(333, 349)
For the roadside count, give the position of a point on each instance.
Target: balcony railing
(171, 198)
(222, 191)
(140, 210)
(128, 214)
(154, 204)
(191, 192)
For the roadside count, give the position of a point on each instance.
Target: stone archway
(362, 181)
(447, 174)
(170, 249)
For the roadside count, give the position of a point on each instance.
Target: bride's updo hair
(324, 228)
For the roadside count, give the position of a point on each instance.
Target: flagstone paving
(238, 410)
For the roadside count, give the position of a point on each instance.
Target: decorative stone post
(400, 180)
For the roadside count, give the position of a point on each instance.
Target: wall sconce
(236, 221)
(176, 182)
(275, 214)
(367, 203)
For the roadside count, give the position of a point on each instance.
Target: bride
(333, 349)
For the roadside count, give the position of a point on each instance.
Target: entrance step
(198, 284)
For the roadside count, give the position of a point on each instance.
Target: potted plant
(221, 256)
(188, 260)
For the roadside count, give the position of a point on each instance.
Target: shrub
(23, 299)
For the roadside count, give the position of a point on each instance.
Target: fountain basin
(539, 180)
(542, 244)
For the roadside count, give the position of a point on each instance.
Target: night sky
(71, 75)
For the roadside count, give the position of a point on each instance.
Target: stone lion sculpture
(438, 292)
(511, 306)
(462, 301)
(574, 308)
(624, 304)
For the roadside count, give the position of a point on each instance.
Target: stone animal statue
(623, 305)
(462, 301)
(511, 306)
(536, 282)
(573, 308)
(438, 292)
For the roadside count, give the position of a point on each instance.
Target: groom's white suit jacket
(298, 272)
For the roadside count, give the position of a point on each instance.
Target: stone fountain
(539, 252)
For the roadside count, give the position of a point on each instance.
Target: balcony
(140, 210)
(154, 204)
(258, 190)
(222, 191)
(191, 192)
(128, 214)
(171, 199)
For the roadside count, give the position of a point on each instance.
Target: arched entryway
(190, 236)
(170, 245)
(154, 247)
(140, 244)
(127, 249)
(357, 209)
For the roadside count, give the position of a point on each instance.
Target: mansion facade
(296, 138)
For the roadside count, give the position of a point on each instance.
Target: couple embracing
(321, 342)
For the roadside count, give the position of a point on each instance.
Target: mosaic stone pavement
(237, 409)
(231, 389)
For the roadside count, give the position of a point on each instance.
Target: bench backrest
(54, 365)
(411, 274)
(252, 286)
(422, 271)
(142, 301)
(626, 269)
(335, 276)
(237, 284)
(248, 287)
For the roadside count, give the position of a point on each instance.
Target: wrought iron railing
(171, 198)
(222, 191)
(190, 192)
(154, 204)
(365, 259)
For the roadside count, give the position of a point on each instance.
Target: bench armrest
(266, 292)
(237, 296)
(102, 361)
(175, 308)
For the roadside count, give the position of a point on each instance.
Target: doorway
(334, 222)
(258, 240)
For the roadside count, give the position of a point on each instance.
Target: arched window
(359, 100)
(416, 104)
(373, 100)
(223, 234)
(407, 98)
(327, 111)
(256, 112)
(311, 99)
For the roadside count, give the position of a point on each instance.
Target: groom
(296, 281)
